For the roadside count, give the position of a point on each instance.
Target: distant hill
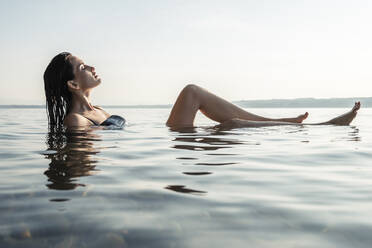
(306, 103)
(273, 103)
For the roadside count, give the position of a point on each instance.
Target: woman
(69, 81)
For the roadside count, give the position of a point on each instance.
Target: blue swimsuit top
(113, 121)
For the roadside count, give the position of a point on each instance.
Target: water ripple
(147, 185)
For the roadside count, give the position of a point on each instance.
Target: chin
(95, 84)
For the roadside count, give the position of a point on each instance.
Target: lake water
(148, 186)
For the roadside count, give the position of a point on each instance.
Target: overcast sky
(146, 51)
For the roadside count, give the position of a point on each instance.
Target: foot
(301, 118)
(347, 118)
(298, 119)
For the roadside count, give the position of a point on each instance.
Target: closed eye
(82, 67)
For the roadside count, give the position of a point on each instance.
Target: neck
(81, 102)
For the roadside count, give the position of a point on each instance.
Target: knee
(190, 89)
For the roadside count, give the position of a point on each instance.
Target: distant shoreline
(272, 103)
(306, 103)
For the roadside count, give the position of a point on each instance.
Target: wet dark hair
(58, 97)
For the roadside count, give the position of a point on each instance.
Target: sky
(147, 51)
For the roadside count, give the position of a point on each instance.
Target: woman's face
(85, 75)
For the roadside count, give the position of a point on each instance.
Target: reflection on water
(183, 189)
(71, 156)
(208, 140)
(197, 173)
(215, 164)
(197, 142)
(203, 142)
(354, 134)
(199, 148)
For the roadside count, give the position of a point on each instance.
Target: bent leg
(193, 98)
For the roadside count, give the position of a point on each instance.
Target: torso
(93, 117)
(114, 121)
(97, 116)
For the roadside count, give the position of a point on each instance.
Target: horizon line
(261, 103)
(241, 100)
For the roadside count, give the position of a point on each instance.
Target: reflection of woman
(70, 158)
(69, 82)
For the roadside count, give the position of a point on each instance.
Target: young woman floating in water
(69, 81)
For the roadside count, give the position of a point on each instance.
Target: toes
(300, 118)
(304, 116)
(356, 107)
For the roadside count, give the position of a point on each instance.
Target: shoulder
(102, 110)
(76, 120)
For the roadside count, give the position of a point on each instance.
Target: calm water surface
(148, 186)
